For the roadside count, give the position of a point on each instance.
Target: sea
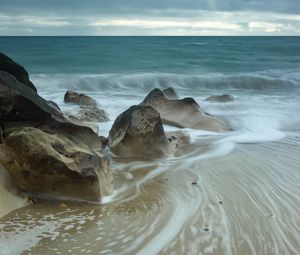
(246, 200)
(262, 73)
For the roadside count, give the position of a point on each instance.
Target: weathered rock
(170, 93)
(21, 106)
(183, 113)
(77, 121)
(178, 139)
(92, 114)
(19, 72)
(54, 106)
(138, 132)
(220, 98)
(1, 135)
(10, 197)
(46, 165)
(78, 98)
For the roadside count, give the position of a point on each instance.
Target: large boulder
(220, 98)
(58, 165)
(21, 106)
(78, 98)
(138, 132)
(182, 113)
(19, 72)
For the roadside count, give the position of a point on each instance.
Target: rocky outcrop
(10, 197)
(57, 165)
(21, 106)
(74, 119)
(220, 98)
(178, 139)
(10, 66)
(44, 152)
(138, 132)
(92, 114)
(183, 113)
(79, 98)
(170, 93)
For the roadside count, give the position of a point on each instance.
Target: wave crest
(147, 81)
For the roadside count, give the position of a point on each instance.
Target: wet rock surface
(16, 70)
(220, 98)
(183, 113)
(57, 165)
(45, 153)
(78, 98)
(138, 132)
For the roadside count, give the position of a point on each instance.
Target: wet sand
(246, 201)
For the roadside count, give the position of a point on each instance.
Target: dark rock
(21, 106)
(138, 132)
(54, 106)
(1, 135)
(19, 72)
(78, 98)
(220, 98)
(46, 165)
(46, 154)
(184, 113)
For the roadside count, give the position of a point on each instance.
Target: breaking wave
(146, 81)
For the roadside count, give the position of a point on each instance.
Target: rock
(138, 132)
(1, 135)
(58, 165)
(92, 114)
(19, 102)
(10, 197)
(21, 106)
(62, 205)
(170, 93)
(78, 98)
(19, 72)
(77, 121)
(178, 139)
(54, 106)
(182, 113)
(220, 98)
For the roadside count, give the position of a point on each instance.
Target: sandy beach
(244, 202)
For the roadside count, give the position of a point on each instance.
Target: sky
(150, 17)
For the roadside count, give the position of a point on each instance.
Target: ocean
(262, 73)
(247, 197)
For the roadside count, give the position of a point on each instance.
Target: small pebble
(62, 205)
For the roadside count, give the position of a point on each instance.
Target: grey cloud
(105, 17)
(131, 6)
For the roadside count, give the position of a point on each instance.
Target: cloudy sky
(150, 17)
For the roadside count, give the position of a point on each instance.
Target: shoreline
(244, 202)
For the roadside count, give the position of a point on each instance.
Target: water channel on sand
(244, 202)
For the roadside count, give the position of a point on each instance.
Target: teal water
(262, 73)
(200, 55)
